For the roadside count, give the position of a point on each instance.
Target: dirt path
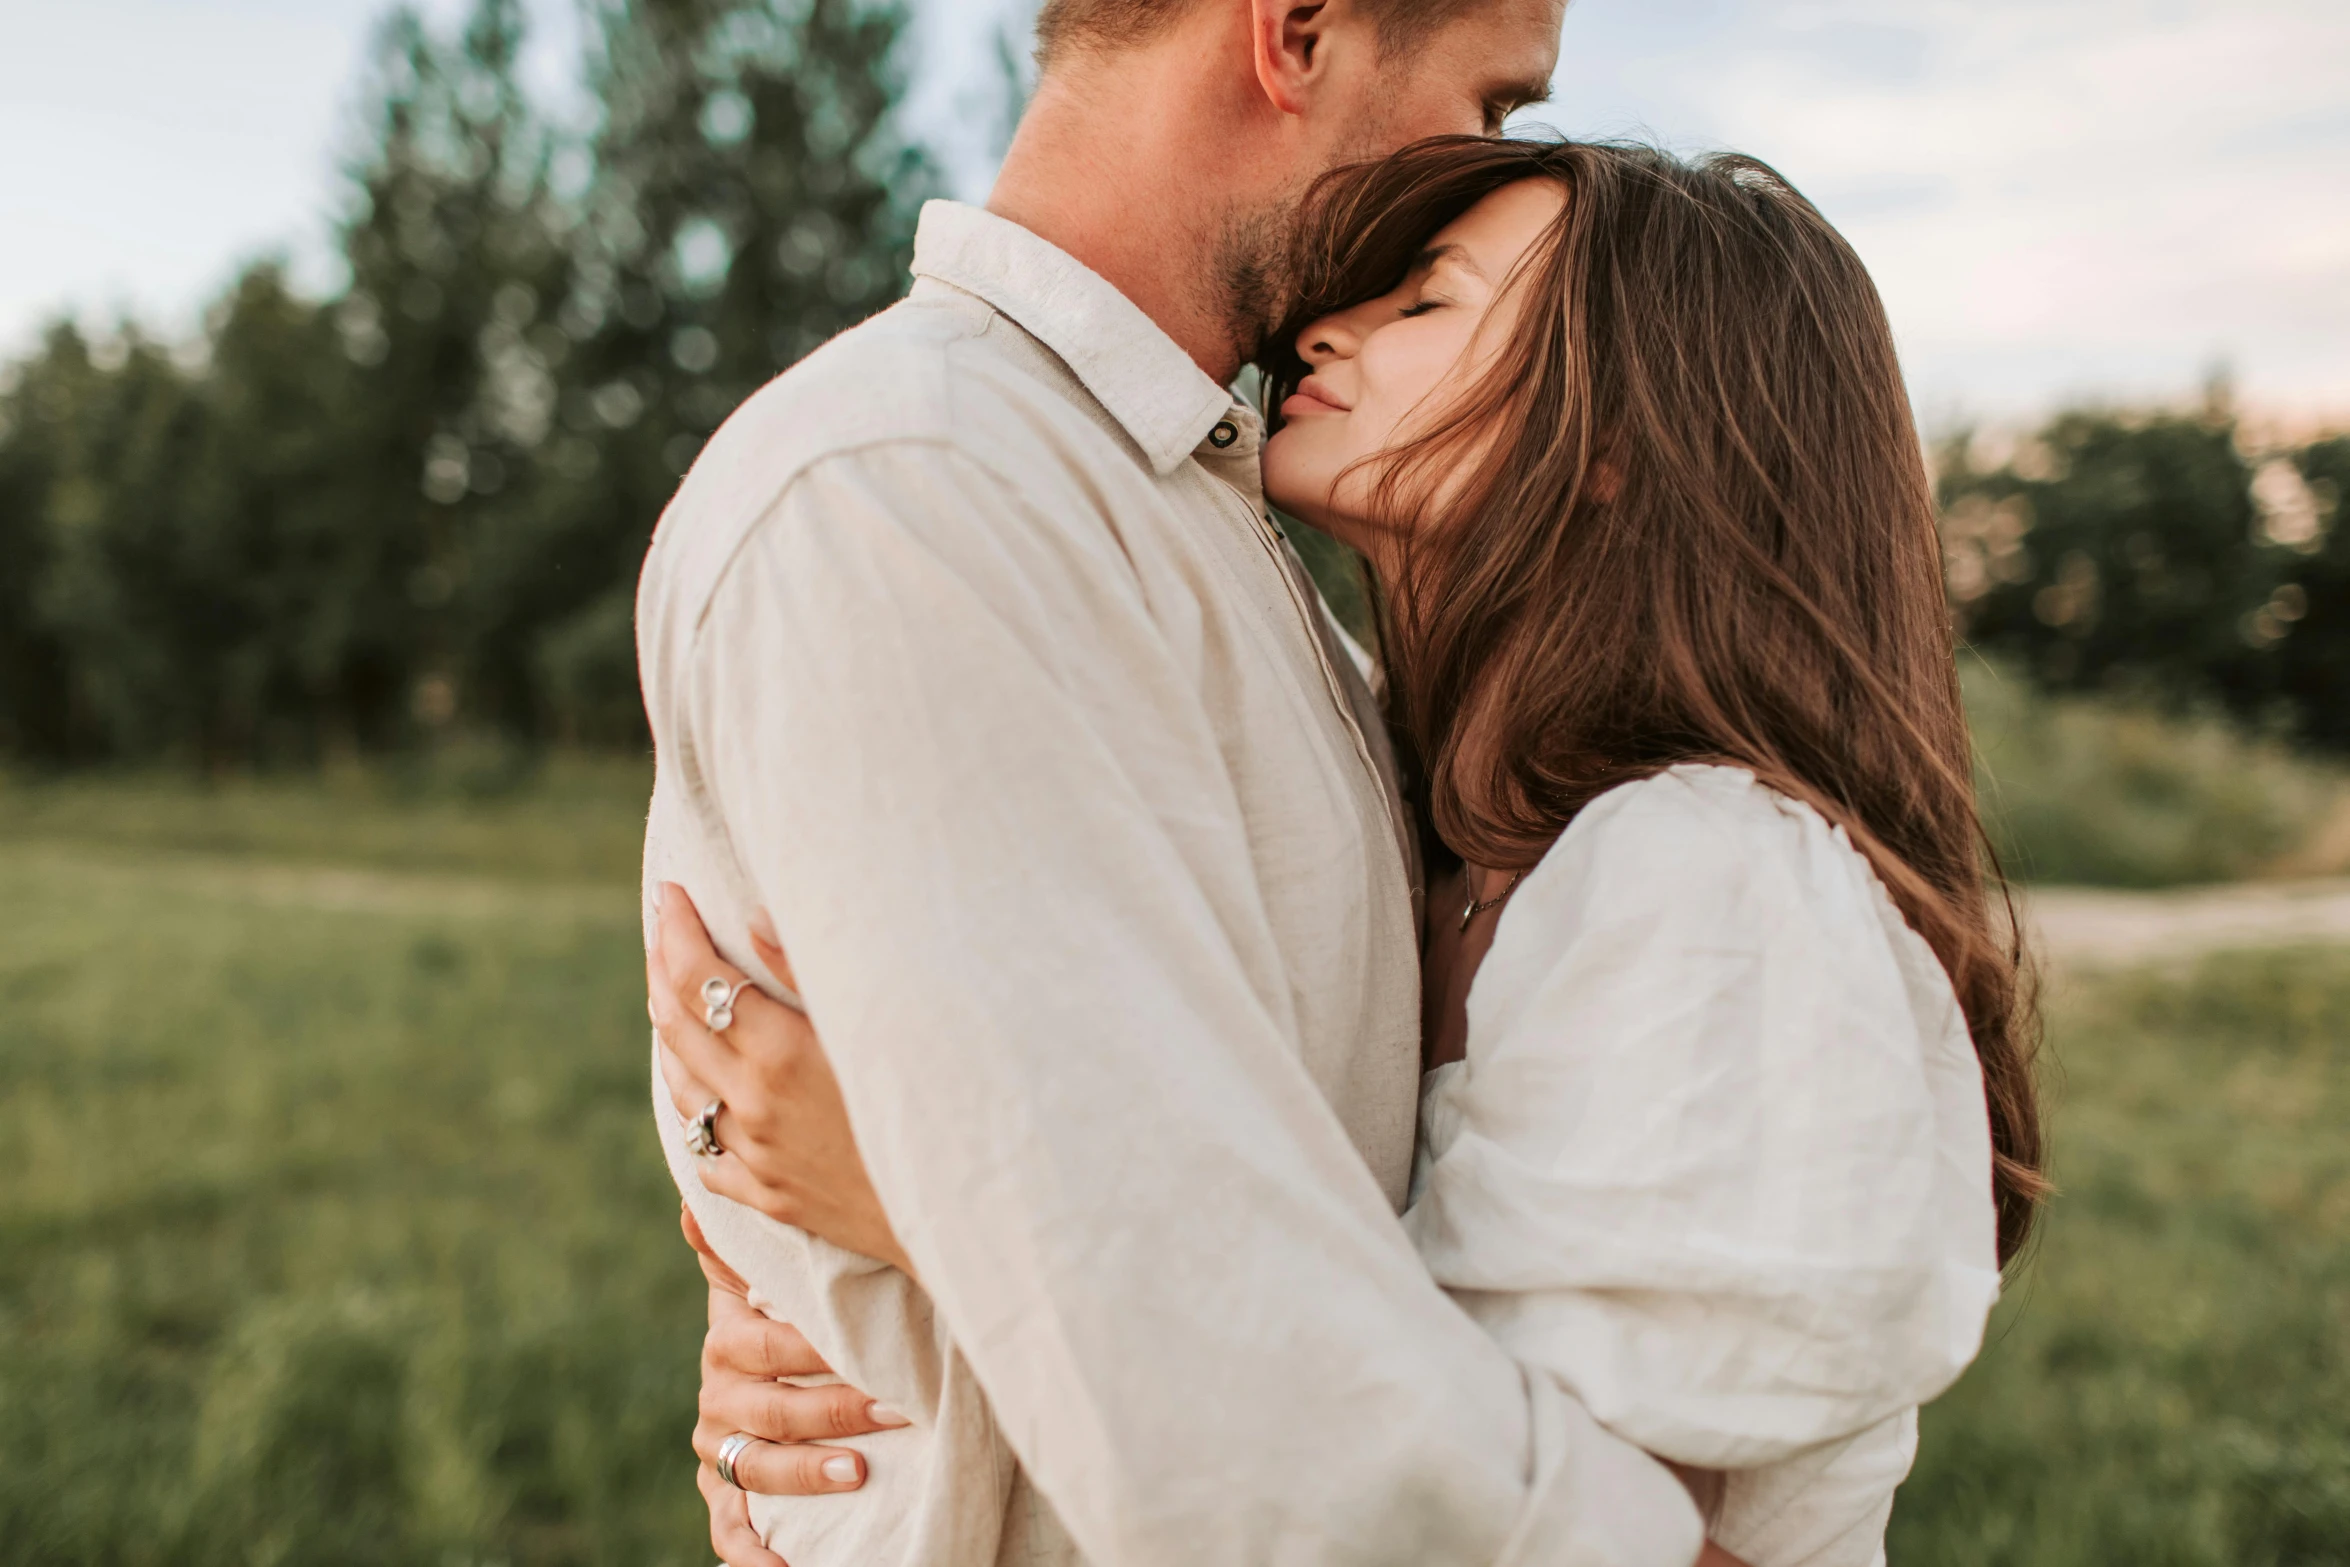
(2081, 927)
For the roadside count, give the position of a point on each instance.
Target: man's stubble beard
(1256, 272)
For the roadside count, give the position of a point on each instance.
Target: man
(974, 659)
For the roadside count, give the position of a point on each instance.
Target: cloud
(2098, 195)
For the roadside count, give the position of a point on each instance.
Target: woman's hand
(742, 1357)
(788, 1149)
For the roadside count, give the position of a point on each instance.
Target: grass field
(2105, 794)
(2168, 1385)
(331, 1230)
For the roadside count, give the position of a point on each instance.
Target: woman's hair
(1683, 517)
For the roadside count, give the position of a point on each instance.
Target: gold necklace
(1476, 908)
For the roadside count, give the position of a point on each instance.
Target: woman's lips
(1311, 399)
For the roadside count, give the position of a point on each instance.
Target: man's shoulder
(940, 370)
(939, 373)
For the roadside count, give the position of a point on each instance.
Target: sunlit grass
(486, 812)
(2168, 1384)
(331, 1229)
(330, 1225)
(2108, 794)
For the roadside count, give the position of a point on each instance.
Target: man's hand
(789, 1151)
(742, 1358)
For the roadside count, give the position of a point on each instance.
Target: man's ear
(1287, 37)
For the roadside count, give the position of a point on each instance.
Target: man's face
(1462, 79)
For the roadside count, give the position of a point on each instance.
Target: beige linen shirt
(971, 654)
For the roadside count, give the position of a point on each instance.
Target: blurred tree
(119, 429)
(35, 710)
(457, 252)
(2152, 556)
(2307, 624)
(420, 507)
(751, 197)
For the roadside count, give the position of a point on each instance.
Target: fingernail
(660, 895)
(883, 1415)
(841, 1471)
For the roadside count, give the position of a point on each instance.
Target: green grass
(485, 814)
(2102, 794)
(331, 1228)
(2168, 1384)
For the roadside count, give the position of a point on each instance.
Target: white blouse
(1719, 1157)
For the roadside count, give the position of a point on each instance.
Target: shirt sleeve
(973, 780)
(1704, 1163)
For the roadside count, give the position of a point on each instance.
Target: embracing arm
(790, 1153)
(981, 801)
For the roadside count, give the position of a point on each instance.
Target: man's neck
(1127, 188)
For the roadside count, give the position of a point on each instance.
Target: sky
(2061, 199)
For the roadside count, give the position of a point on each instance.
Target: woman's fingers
(687, 953)
(687, 1093)
(781, 1412)
(785, 1468)
(731, 1534)
(744, 1342)
(728, 1178)
(710, 1059)
(766, 1043)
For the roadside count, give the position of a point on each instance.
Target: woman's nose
(1326, 340)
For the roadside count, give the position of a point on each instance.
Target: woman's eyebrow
(1456, 254)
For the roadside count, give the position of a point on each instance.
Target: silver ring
(718, 998)
(730, 1450)
(701, 1133)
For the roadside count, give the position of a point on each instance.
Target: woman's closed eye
(1421, 308)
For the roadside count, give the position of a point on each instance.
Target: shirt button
(1224, 434)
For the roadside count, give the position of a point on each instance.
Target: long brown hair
(1686, 518)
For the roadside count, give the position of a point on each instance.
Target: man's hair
(1066, 27)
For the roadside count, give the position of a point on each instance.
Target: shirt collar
(1148, 384)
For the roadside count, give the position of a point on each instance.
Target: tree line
(351, 525)
(2167, 557)
(415, 509)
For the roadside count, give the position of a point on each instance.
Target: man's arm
(975, 787)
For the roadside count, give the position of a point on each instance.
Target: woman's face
(1388, 369)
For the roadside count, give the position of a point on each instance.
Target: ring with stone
(728, 1451)
(718, 998)
(701, 1133)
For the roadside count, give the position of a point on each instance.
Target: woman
(1729, 1122)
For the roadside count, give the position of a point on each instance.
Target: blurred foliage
(2162, 558)
(2164, 1384)
(2111, 793)
(416, 509)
